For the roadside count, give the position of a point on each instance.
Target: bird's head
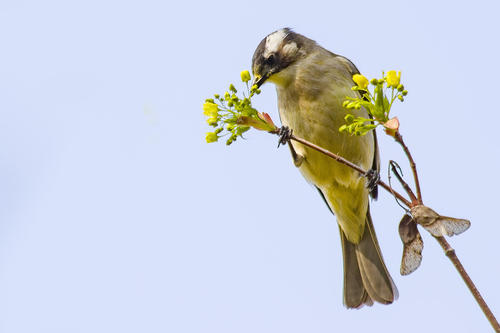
(277, 52)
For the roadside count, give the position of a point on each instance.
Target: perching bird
(312, 83)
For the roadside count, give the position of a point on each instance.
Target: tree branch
(450, 253)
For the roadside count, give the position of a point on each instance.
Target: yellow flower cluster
(375, 101)
(232, 115)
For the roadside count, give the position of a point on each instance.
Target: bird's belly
(323, 130)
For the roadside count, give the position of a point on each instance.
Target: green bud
(401, 98)
(232, 88)
(349, 118)
(381, 81)
(230, 104)
(400, 87)
(231, 139)
(217, 96)
(227, 96)
(217, 131)
(209, 100)
(404, 92)
(345, 103)
(257, 91)
(374, 82)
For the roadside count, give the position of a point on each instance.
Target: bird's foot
(372, 176)
(285, 134)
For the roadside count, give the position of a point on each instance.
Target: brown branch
(450, 253)
(399, 139)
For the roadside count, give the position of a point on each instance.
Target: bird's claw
(285, 134)
(373, 176)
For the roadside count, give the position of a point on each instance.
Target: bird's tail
(366, 278)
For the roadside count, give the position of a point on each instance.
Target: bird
(311, 84)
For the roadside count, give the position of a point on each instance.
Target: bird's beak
(259, 80)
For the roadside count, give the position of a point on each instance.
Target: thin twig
(405, 185)
(399, 138)
(450, 253)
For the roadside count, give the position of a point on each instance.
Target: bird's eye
(270, 60)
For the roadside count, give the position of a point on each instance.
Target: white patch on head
(273, 42)
(290, 48)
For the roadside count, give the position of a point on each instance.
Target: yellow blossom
(210, 109)
(393, 79)
(245, 76)
(361, 81)
(211, 137)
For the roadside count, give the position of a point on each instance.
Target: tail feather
(366, 278)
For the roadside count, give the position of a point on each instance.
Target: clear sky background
(116, 216)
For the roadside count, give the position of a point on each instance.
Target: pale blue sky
(116, 216)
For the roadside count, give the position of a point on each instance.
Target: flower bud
(212, 121)
(232, 88)
(404, 92)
